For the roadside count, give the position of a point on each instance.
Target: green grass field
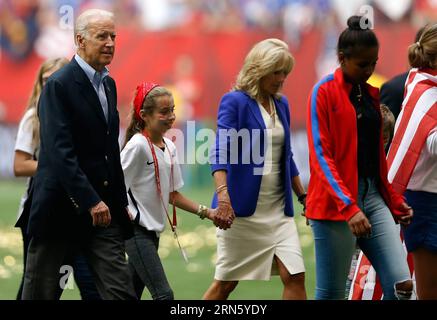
(189, 281)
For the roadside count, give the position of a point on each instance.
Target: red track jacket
(332, 141)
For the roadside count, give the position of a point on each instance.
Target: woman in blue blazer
(254, 172)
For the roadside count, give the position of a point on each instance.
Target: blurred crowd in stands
(46, 25)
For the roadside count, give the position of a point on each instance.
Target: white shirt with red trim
(139, 174)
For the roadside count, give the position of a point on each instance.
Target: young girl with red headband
(152, 176)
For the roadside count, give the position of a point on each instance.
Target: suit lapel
(87, 90)
(254, 108)
(110, 98)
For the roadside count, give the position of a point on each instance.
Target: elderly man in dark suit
(80, 198)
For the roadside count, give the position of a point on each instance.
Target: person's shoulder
(236, 95)
(282, 99)
(63, 75)
(28, 114)
(398, 80)
(400, 77)
(136, 142)
(326, 83)
(236, 98)
(26, 123)
(64, 72)
(137, 138)
(329, 79)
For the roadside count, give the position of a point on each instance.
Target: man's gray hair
(84, 19)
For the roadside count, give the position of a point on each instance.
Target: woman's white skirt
(246, 251)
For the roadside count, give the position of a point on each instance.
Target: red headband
(143, 90)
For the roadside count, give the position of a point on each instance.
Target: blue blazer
(239, 113)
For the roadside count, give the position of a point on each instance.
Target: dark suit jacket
(79, 160)
(392, 93)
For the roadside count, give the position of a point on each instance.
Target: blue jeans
(335, 245)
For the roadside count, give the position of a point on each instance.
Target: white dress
(246, 251)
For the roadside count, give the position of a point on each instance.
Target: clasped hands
(224, 215)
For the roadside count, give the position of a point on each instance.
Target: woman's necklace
(272, 112)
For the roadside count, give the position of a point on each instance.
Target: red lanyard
(158, 181)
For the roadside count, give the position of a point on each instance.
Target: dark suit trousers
(105, 252)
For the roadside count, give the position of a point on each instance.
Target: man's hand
(100, 214)
(359, 225)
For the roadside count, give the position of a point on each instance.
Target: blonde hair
(88, 16)
(148, 107)
(265, 57)
(48, 65)
(423, 53)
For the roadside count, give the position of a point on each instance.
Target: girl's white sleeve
(24, 140)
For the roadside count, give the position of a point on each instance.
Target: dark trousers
(26, 240)
(82, 274)
(104, 252)
(145, 265)
(84, 278)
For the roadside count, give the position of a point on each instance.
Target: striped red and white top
(417, 119)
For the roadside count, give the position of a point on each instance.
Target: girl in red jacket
(349, 198)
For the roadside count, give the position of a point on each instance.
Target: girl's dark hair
(357, 34)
